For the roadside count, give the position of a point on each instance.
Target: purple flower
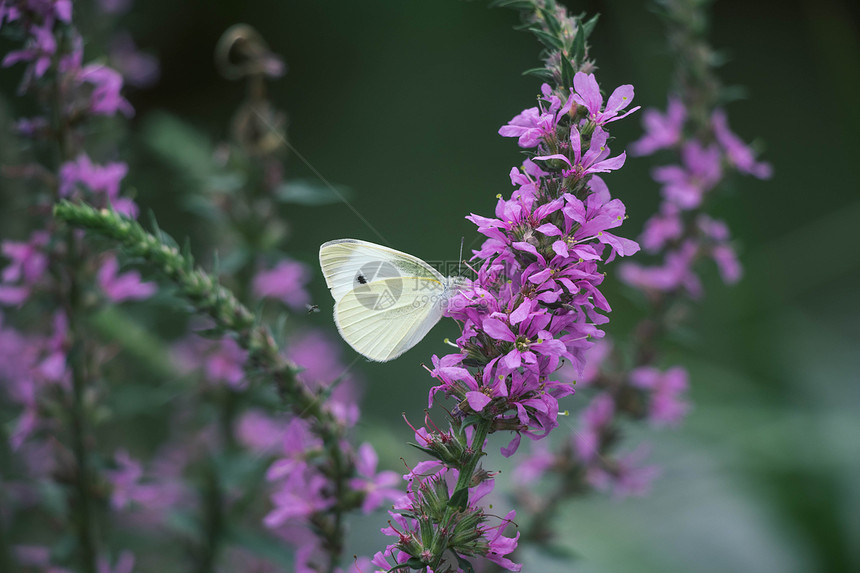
(115, 6)
(124, 564)
(720, 249)
(150, 498)
(27, 265)
(298, 496)
(137, 68)
(120, 287)
(222, 361)
(286, 282)
(666, 406)
(37, 556)
(296, 441)
(103, 180)
(662, 228)
(531, 467)
(535, 124)
(588, 95)
(596, 417)
(40, 50)
(685, 186)
(106, 86)
(627, 476)
(319, 358)
(377, 487)
(661, 131)
(595, 160)
(259, 432)
(499, 545)
(467, 532)
(739, 154)
(674, 274)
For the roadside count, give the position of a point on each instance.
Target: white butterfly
(385, 300)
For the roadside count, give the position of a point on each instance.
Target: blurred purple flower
(661, 131)
(685, 186)
(106, 83)
(319, 357)
(286, 282)
(676, 272)
(377, 487)
(739, 154)
(153, 496)
(137, 68)
(596, 417)
(124, 563)
(628, 477)
(115, 6)
(102, 180)
(665, 389)
(40, 51)
(120, 287)
(260, 432)
(298, 496)
(27, 265)
(37, 556)
(222, 361)
(662, 228)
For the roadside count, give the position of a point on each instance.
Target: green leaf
(551, 22)
(185, 148)
(229, 182)
(263, 544)
(560, 552)
(588, 27)
(304, 192)
(465, 564)
(577, 52)
(567, 72)
(513, 4)
(423, 449)
(416, 563)
(539, 72)
(460, 499)
(216, 333)
(547, 39)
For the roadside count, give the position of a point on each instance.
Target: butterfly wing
(385, 317)
(350, 263)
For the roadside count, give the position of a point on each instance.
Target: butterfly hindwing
(386, 317)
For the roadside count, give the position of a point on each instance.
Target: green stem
(467, 471)
(231, 316)
(77, 363)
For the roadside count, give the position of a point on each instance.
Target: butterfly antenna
(460, 260)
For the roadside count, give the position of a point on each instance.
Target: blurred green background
(400, 101)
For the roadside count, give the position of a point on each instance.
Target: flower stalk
(683, 235)
(533, 305)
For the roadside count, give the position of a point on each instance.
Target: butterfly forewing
(348, 263)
